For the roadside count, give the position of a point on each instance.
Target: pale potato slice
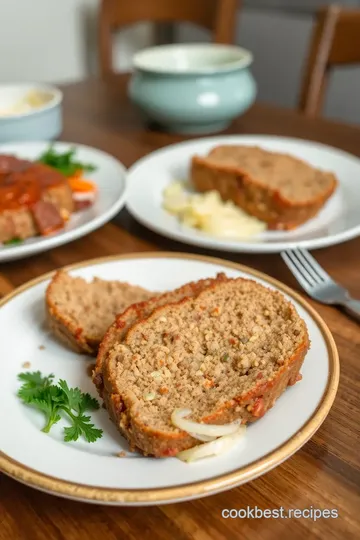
(209, 213)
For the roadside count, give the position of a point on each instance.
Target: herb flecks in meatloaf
(226, 354)
(142, 310)
(79, 312)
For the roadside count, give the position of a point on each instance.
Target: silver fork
(317, 283)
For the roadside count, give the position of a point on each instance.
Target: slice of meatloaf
(136, 312)
(276, 188)
(17, 223)
(226, 354)
(80, 312)
(34, 199)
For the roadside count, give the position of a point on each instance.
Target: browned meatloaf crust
(80, 312)
(227, 353)
(34, 199)
(276, 188)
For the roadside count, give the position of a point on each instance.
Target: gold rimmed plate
(95, 472)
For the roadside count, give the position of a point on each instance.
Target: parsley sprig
(55, 400)
(13, 242)
(65, 162)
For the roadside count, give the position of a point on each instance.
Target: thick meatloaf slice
(226, 354)
(136, 312)
(80, 312)
(276, 188)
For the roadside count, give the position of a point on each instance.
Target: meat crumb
(90, 368)
(26, 365)
(122, 454)
(42, 347)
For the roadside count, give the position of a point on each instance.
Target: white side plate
(337, 222)
(109, 178)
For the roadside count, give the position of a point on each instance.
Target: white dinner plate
(109, 177)
(94, 472)
(337, 222)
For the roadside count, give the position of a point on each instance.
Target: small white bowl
(43, 122)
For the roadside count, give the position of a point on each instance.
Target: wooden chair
(335, 42)
(219, 16)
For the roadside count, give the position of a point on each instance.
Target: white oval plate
(92, 472)
(109, 178)
(337, 222)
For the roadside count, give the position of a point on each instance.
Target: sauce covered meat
(22, 182)
(34, 199)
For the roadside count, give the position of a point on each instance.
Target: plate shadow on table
(271, 264)
(332, 258)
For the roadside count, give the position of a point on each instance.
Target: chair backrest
(335, 42)
(219, 16)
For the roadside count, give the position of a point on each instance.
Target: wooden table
(325, 473)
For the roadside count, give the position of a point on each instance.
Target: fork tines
(304, 267)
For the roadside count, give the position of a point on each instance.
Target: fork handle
(352, 307)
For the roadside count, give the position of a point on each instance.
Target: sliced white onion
(196, 428)
(203, 438)
(213, 448)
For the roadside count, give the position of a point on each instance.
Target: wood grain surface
(325, 473)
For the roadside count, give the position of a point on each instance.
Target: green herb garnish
(65, 162)
(55, 400)
(12, 242)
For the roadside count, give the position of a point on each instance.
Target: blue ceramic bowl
(194, 88)
(20, 121)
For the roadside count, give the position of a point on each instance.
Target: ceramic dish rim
(245, 58)
(56, 99)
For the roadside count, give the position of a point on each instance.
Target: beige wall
(55, 40)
